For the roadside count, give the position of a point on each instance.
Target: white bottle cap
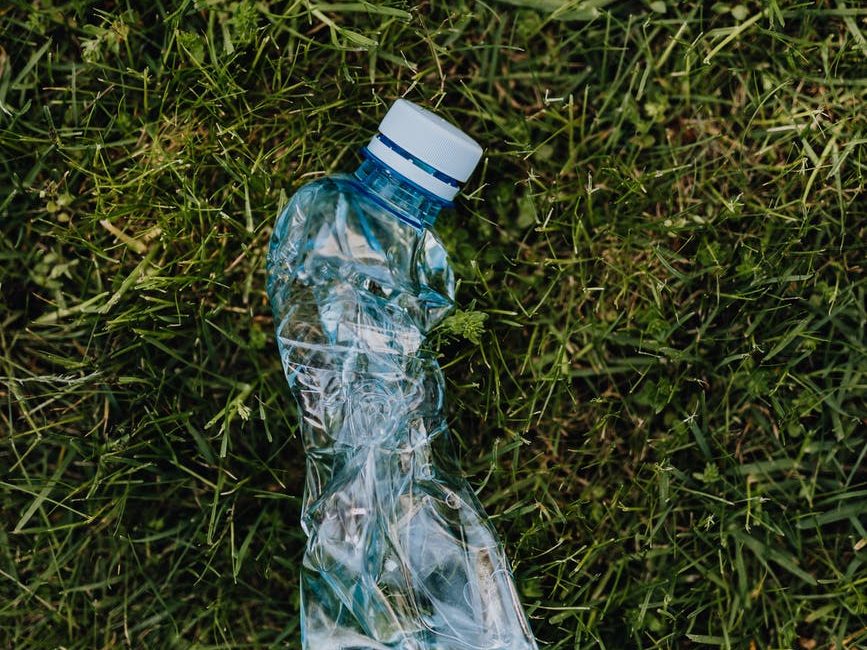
(425, 149)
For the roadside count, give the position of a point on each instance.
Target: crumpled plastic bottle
(399, 552)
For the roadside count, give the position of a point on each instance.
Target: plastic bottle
(399, 552)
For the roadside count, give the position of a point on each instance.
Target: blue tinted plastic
(399, 552)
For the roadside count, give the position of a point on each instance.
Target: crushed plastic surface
(399, 552)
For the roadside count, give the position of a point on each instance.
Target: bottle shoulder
(343, 210)
(332, 233)
(330, 188)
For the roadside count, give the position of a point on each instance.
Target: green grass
(665, 412)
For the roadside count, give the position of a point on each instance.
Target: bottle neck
(400, 196)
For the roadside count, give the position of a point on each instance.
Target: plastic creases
(399, 552)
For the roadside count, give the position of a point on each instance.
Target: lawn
(657, 377)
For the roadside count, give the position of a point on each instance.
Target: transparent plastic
(399, 552)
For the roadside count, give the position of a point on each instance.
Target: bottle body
(399, 552)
